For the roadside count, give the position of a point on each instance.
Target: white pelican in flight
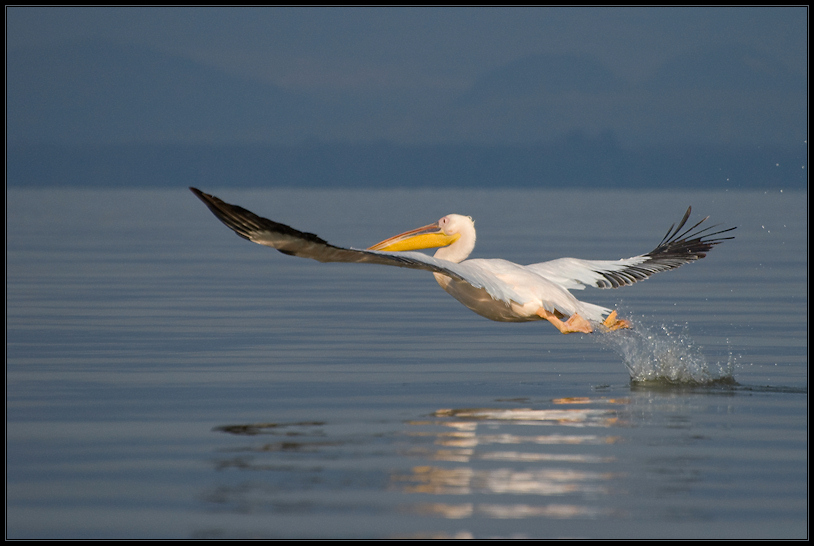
(496, 289)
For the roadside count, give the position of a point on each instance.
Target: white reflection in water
(464, 481)
(568, 417)
(507, 511)
(536, 457)
(468, 445)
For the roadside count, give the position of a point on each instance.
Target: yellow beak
(430, 236)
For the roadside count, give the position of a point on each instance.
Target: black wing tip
(210, 200)
(247, 224)
(690, 244)
(675, 249)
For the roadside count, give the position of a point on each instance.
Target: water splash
(665, 357)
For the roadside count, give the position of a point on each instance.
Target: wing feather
(675, 249)
(308, 245)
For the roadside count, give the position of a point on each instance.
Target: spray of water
(663, 356)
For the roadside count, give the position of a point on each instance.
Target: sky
(413, 75)
(367, 48)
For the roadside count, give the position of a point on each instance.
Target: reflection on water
(506, 511)
(459, 453)
(463, 481)
(468, 437)
(567, 461)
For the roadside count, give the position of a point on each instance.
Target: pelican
(496, 289)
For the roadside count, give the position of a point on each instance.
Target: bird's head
(453, 230)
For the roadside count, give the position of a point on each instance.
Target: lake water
(166, 379)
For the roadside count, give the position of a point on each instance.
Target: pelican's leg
(613, 323)
(574, 324)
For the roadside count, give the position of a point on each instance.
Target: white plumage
(496, 289)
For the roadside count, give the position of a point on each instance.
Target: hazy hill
(95, 93)
(100, 114)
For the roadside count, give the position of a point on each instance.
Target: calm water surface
(166, 379)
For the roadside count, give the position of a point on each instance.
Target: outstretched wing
(307, 245)
(675, 249)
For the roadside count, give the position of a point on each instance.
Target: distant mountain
(538, 98)
(541, 75)
(733, 96)
(96, 114)
(96, 92)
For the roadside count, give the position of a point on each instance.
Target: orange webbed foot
(613, 323)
